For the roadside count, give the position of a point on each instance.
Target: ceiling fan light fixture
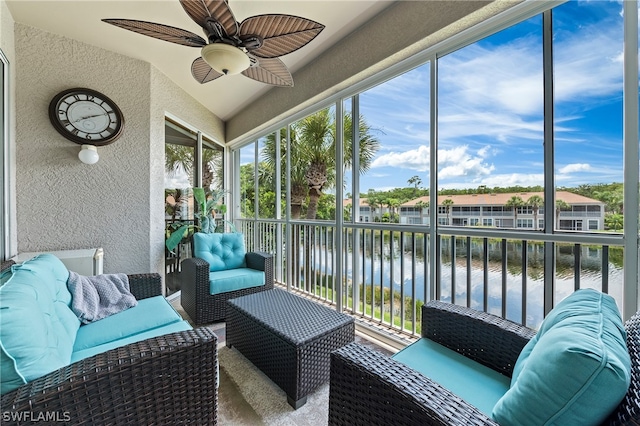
(225, 59)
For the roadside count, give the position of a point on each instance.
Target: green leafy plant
(208, 205)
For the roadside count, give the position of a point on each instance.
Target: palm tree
(317, 143)
(447, 204)
(393, 204)
(313, 161)
(560, 205)
(515, 202)
(535, 201)
(415, 181)
(374, 201)
(422, 205)
(297, 180)
(181, 158)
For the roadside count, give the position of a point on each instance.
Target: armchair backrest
(221, 251)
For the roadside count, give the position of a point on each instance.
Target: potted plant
(208, 206)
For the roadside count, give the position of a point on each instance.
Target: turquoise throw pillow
(575, 371)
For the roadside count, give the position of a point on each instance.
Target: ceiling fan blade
(202, 72)
(159, 31)
(201, 10)
(270, 71)
(281, 34)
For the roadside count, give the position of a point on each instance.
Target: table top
(295, 318)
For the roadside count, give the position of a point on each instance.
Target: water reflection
(401, 261)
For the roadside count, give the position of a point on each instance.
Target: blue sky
(491, 108)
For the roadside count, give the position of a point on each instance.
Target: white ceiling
(224, 96)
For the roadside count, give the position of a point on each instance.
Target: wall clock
(86, 117)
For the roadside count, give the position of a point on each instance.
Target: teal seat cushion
(37, 326)
(478, 385)
(148, 314)
(159, 331)
(234, 279)
(575, 371)
(221, 251)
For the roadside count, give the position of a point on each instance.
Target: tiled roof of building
(491, 199)
(501, 199)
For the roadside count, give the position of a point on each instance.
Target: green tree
(535, 201)
(560, 205)
(374, 200)
(416, 182)
(447, 204)
(612, 197)
(313, 160)
(181, 158)
(422, 205)
(614, 221)
(515, 202)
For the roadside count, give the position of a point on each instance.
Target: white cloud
(572, 168)
(415, 159)
(455, 162)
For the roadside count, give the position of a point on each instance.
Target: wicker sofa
(369, 388)
(166, 379)
(221, 270)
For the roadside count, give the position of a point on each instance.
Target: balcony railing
(384, 270)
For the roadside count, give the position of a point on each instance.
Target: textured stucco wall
(398, 32)
(7, 45)
(61, 202)
(118, 203)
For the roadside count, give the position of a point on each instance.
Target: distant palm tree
(415, 181)
(560, 205)
(422, 205)
(535, 201)
(447, 204)
(515, 202)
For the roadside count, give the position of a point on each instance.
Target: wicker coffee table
(288, 338)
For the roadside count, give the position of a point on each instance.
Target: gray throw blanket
(99, 296)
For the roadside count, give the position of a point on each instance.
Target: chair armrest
(367, 387)
(263, 262)
(483, 337)
(169, 379)
(196, 276)
(5, 266)
(145, 285)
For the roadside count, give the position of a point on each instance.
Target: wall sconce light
(88, 154)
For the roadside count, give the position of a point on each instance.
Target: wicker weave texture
(204, 307)
(471, 333)
(167, 380)
(145, 285)
(365, 384)
(628, 412)
(368, 388)
(288, 338)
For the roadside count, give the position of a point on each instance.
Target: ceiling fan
(251, 47)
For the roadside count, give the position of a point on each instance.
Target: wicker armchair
(171, 379)
(204, 307)
(369, 388)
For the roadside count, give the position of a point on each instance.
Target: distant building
(491, 210)
(366, 213)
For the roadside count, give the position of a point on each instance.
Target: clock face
(85, 116)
